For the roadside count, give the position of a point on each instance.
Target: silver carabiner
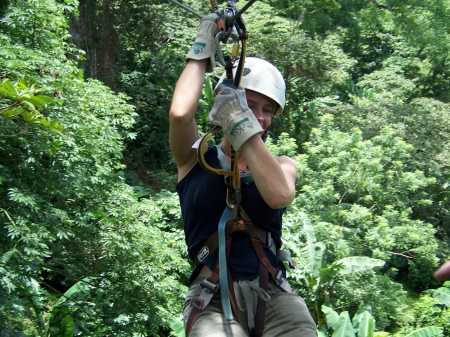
(220, 35)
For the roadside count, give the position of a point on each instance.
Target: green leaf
(441, 294)
(80, 286)
(364, 323)
(209, 91)
(331, 316)
(328, 274)
(426, 332)
(39, 101)
(10, 254)
(355, 264)
(381, 334)
(177, 328)
(313, 249)
(317, 261)
(7, 89)
(67, 327)
(344, 326)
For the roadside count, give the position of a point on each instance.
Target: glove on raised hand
(203, 47)
(232, 114)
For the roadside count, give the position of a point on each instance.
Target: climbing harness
(234, 218)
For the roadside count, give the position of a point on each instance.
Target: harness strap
(261, 306)
(223, 273)
(276, 274)
(211, 285)
(212, 244)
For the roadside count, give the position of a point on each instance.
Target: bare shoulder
(191, 161)
(188, 165)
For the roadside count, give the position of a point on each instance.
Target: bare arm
(274, 177)
(182, 127)
(443, 273)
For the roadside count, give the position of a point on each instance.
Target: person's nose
(258, 114)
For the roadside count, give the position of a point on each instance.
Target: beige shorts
(286, 314)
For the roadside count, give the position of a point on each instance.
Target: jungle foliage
(91, 240)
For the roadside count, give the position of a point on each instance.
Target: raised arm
(182, 127)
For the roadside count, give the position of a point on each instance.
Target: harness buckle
(209, 286)
(282, 282)
(279, 277)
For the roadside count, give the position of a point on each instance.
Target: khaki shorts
(286, 314)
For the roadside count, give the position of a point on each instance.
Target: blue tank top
(203, 199)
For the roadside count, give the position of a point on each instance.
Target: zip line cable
(215, 8)
(187, 8)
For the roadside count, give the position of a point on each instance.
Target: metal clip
(219, 36)
(271, 243)
(282, 282)
(279, 277)
(209, 286)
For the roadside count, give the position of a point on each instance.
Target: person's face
(261, 107)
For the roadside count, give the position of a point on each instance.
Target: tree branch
(408, 254)
(377, 5)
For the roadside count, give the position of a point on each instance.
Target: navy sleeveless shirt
(203, 199)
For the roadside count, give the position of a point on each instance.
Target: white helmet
(263, 77)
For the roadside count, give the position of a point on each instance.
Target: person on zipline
(260, 297)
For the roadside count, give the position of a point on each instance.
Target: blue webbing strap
(223, 273)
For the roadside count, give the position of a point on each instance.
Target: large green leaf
(317, 261)
(426, 332)
(80, 286)
(67, 327)
(314, 250)
(442, 294)
(344, 326)
(177, 328)
(331, 316)
(355, 264)
(364, 323)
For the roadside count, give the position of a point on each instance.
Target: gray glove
(232, 114)
(203, 47)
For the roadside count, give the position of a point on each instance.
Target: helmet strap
(265, 134)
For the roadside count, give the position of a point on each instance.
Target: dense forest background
(91, 240)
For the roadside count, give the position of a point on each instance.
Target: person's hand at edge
(443, 273)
